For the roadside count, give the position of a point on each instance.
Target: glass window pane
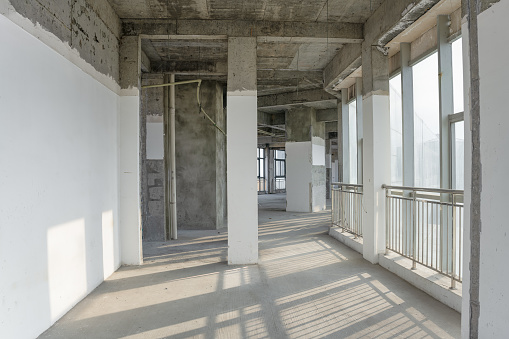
(396, 131)
(457, 75)
(459, 155)
(352, 131)
(426, 123)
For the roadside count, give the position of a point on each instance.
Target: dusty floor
(307, 285)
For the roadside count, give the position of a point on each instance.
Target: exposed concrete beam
(389, 20)
(269, 119)
(332, 126)
(145, 63)
(327, 115)
(273, 142)
(346, 61)
(294, 98)
(341, 32)
(210, 67)
(392, 18)
(312, 76)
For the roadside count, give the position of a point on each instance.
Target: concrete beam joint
(392, 18)
(346, 61)
(219, 67)
(327, 115)
(340, 31)
(294, 98)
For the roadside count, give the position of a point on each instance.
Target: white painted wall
(241, 146)
(298, 176)
(319, 191)
(335, 171)
(494, 75)
(301, 195)
(242, 188)
(129, 180)
(318, 151)
(376, 172)
(59, 225)
(155, 140)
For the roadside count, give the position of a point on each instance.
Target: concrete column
(445, 96)
(129, 164)
(486, 237)
(407, 99)
(377, 153)
(328, 166)
(152, 159)
(446, 109)
(407, 104)
(305, 161)
(271, 178)
(241, 152)
(358, 91)
(339, 169)
(345, 136)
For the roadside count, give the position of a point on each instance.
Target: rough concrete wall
(152, 171)
(196, 146)
(89, 26)
(298, 122)
(221, 203)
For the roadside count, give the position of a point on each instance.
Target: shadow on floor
(306, 285)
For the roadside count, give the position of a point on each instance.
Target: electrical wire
(199, 81)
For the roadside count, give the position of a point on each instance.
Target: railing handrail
(423, 189)
(346, 185)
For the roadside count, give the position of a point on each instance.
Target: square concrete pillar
(241, 152)
(377, 149)
(486, 239)
(129, 153)
(305, 161)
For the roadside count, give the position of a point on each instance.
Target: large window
(457, 75)
(280, 169)
(457, 128)
(458, 155)
(426, 122)
(352, 132)
(396, 131)
(260, 170)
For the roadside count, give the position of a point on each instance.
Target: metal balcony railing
(347, 207)
(426, 226)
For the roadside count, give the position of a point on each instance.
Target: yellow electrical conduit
(197, 97)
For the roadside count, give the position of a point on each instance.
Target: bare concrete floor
(307, 285)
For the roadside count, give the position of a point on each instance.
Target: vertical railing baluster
(414, 245)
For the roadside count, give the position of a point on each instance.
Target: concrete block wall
(200, 159)
(152, 170)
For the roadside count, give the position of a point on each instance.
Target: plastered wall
(59, 230)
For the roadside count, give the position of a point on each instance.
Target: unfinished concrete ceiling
(288, 61)
(269, 10)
